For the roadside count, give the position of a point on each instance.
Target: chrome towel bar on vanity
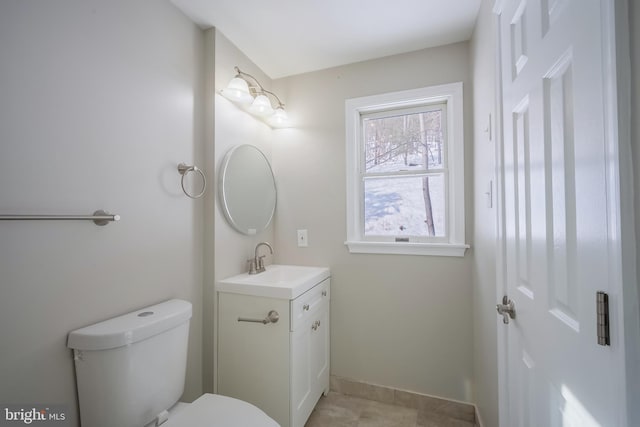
(272, 317)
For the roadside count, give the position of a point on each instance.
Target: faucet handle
(252, 266)
(261, 262)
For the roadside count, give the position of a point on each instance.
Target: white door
(554, 226)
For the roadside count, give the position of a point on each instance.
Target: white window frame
(449, 94)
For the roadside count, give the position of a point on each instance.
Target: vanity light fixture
(246, 91)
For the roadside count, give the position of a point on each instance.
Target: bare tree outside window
(404, 175)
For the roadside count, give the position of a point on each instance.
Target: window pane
(400, 206)
(404, 142)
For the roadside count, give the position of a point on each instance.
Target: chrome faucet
(256, 265)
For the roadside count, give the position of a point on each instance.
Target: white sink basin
(279, 281)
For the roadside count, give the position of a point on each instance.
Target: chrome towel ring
(184, 169)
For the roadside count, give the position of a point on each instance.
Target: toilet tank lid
(131, 327)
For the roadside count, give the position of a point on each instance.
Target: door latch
(507, 309)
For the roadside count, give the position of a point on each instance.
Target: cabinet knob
(315, 325)
(305, 307)
(324, 293)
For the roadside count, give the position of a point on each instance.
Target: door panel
(302, 380)
(320, 351)
(554, 218)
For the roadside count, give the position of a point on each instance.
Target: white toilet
(131, 369)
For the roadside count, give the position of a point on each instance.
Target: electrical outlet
(303, 240)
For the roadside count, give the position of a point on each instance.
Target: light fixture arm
(280, 104)
(246, 91)
(242, 75)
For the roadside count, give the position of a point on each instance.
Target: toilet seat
(214, 410)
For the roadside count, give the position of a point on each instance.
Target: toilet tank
(131, 368)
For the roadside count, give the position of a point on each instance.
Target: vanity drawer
(308, 303)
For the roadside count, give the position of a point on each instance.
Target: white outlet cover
(303, 239)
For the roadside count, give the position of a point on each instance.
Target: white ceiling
(286, 37)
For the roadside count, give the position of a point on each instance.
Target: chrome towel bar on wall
(99, 217)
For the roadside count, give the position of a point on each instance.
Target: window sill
(401, 248)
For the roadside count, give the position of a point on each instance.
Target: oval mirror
(247, 189)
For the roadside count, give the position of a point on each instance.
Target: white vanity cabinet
(281, 367)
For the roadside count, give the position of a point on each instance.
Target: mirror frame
(223, 191)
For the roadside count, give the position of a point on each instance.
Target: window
(405, 172)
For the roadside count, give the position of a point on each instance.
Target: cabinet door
(253, 358)
(320, 352)
(302, 379)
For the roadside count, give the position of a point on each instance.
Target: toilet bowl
(211, 410)
(130, 372)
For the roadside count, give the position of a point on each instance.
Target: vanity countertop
(278, 281)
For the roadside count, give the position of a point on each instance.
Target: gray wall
(392, 319)
(634, 23)
(485, 359)
(99, 103)
(233, 127)
(633, 344)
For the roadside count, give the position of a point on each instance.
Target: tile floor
(339, 410)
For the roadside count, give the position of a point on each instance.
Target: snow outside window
(405, 172)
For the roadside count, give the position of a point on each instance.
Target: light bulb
(261, 106)
(280, 118)
(238, 91)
